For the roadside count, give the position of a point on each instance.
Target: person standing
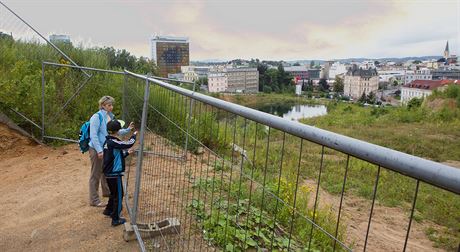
(98, 132)
(115, 152)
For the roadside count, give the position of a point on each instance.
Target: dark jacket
(115, 152)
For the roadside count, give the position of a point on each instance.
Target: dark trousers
(116, 197)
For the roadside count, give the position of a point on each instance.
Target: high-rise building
(169, 53)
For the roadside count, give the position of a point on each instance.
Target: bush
(414, 103)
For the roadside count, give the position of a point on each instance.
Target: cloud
(225, 29)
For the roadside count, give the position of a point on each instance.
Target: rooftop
(430, 84)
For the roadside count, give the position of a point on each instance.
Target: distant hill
(347, 60)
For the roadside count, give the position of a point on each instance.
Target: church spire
(446, 51)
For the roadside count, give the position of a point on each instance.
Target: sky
(263, 29)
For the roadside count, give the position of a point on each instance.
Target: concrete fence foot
(151, 230)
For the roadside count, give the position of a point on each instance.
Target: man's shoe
(107, 213)
(118, 222)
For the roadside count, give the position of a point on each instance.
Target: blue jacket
(114, 155)
(98, 130)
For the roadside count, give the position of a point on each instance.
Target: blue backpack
(83, 140)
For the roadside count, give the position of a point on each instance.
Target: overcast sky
(264, 29)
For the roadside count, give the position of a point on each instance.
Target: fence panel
(214, 175)
(243, 184)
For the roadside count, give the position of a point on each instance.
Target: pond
(294, 112)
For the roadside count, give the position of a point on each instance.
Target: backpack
(83, 140)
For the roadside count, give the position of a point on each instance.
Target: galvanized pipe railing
(431, 172)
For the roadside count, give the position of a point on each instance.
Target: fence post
(140, 153)
(43, 101)
(123, 99)
(188, 124)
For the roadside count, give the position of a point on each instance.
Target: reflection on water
(295, 112)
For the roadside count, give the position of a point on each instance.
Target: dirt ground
(388, 228)
(44, 200)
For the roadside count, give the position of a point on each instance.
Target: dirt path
(388, 228)
(44, 200)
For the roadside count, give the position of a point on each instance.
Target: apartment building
(358, 81)
(420, 74)
(242, 80)
(217, 82)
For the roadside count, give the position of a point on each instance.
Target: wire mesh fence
(235, 183)
(23, 48)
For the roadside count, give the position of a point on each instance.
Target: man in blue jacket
(115, 152)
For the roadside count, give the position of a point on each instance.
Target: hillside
(44, 200)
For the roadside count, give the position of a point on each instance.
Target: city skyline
(269, 30)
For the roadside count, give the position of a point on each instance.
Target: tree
(362, 99)
(296, 64)
(312, 64)
(371, 98)
(323, 86)
(338, 85)
(414, 103)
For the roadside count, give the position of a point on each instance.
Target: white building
(337, 68)
(423, 88)
(387, 75)
(421, 74)
(217, 82)
(367, 65)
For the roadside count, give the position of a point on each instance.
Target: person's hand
(135, 132)
(100, 155)
(131, 126)
(130, 151)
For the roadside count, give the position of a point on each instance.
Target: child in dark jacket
(115, 152)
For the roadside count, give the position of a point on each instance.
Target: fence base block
(151, 230)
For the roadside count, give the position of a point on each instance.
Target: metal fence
(213, 175)
(239, 179)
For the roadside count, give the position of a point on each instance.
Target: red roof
(430, 84)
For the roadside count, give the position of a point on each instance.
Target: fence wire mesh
(20, 41)
(236, 184)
